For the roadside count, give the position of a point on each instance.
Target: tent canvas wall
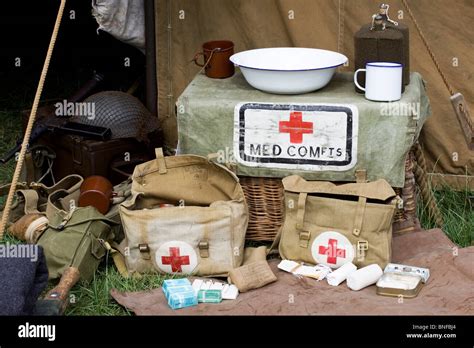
(183, 25)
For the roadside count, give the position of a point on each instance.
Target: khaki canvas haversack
(186, 215)
(334, 224)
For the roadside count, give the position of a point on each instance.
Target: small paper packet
(252, 276)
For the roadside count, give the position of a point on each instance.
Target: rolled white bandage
(338, 276)
(35, 229)
(364, 277)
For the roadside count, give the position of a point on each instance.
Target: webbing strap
(359, 217)
(303, 234)
(160, 157)
(31, 201)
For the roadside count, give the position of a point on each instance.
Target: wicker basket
(266, 207)
(265, 198)
(406, 219)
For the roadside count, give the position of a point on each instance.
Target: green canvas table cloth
(328, 134)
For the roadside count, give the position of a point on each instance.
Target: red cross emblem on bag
(332, 249)
(296, 127)
(175, 260)
(176, 257)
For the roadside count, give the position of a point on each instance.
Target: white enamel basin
(288, 70)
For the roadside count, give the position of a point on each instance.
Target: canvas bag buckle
(204, 248)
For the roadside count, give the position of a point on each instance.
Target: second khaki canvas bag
(334, 224)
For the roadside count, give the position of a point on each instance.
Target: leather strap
(30, 168)
(160, 157)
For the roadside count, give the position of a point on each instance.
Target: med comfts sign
(316, 137)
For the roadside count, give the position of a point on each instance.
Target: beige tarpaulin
(183, 25)
(447, 292)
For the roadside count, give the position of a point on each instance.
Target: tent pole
(150, 46)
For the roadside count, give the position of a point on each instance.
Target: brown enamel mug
(96, 191)
(216, 56)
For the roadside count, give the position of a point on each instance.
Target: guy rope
(31, 121)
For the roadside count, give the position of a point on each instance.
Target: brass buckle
(203, 245)
(143, 248)
(305, 236)
(362, 245)
(203, 248)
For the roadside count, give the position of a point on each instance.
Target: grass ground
(94, 298)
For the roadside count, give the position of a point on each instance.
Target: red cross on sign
(332, 251)
(296, 127)
(175, 260)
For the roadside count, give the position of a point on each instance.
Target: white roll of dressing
(338, 276)
(364, 277)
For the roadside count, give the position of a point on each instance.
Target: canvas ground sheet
(182, 26)
(449, 291)
(380, 137)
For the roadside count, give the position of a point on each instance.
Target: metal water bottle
(383, 40)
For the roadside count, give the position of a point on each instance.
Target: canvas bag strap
(274, 247)
(117, 257)
(304, 235)
(361, 176)
(160, 158)
(59, 202)
(379, 189)
(70, 183)
(31, 201)
(4, 191)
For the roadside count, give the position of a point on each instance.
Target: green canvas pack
(241, 125)
(76, 240)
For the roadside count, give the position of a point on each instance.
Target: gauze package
(252, 276)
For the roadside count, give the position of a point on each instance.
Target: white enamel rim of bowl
(270, 54)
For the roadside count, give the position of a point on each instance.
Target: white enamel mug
(383, 81)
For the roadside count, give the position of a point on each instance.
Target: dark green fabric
(205, 114)
(76, 245)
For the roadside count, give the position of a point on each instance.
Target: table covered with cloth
(328, 134)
